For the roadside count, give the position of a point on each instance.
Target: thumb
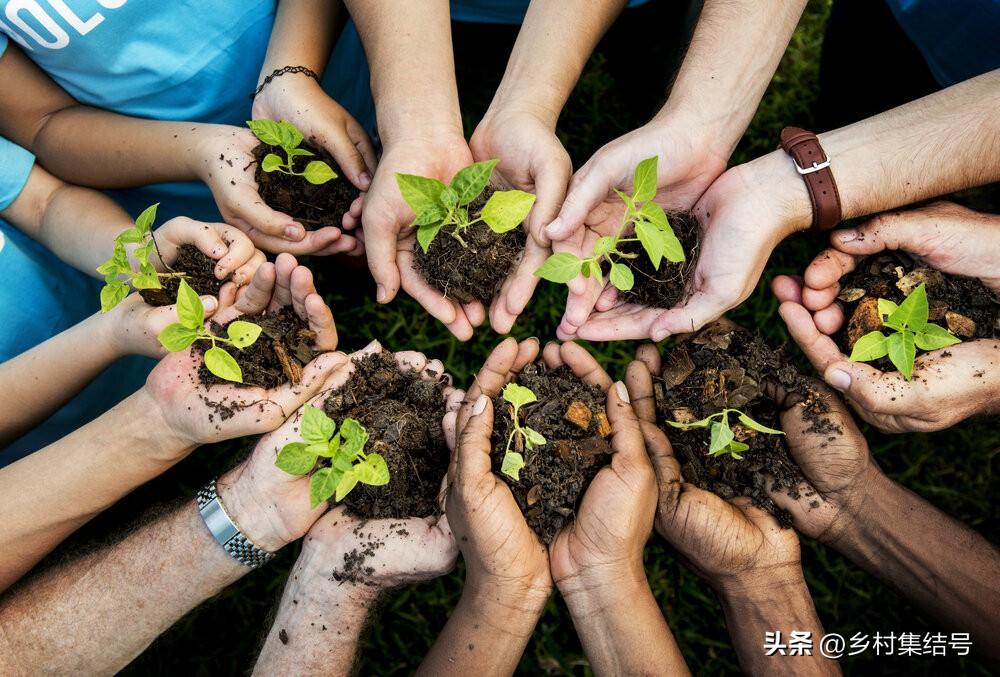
(661, 455)
(380, 246)
(898, 230)
(869, 388)
(550, 191)
(333, 134)
(588, 189)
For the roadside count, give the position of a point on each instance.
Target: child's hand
(224, 160)
(229, 247)
(133, 325)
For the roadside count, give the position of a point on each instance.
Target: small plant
(438, 206)
(652, 231)
(147, 277)
(191, 327)
(723, 440)
(349, 464)
(911, 330)
(520, 436)
(285, 135)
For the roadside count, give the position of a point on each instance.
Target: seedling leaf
(426, 235)
(243, 334)
(448, 197)
(518, 395)
(420, 192)
(347, 482)
(295, 459)
(317, 427)
(373, 470)
(222, 364)
(322, 485)
(721, 436)
(176, 337)
(318, 172)
(902, 352)
(512, 464)
(654, 213)
(644, 181)
(354, 436)
(621, 276)
(561, 267)
(507, 209)
(113, 293)
(933, 337)
(652, 240)
(430, 216)
(604, 245)
(872, 346)
(912, 312)
(267, 131)
(145, 220)
(190, 312)
(271, 162)
(886, 308)
(470, 182)
(759, 427)
(533, 438)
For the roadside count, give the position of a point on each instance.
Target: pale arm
(302, 35)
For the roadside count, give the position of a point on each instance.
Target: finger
(342, 244)
(290, 397)
(873, 390)
(607, 300)
(243, 274)
(411, 360)
(827, 268)
(829, 320)
(509, 357)
(624, 323)
(898, 230)
(253, 298)
(649, 355)
(284, 266)
(661, 455)
(209, 242)
(474, 312)
(301, 286)
(474, 443)
(381, 233)
(517, 288)
(248, 211)
(639, 382)
(588, 189)
(551, 355)
(432, 371)
(629, 450)
(320, 319)
(364, 145)
(787, 288)
(227, 295)
(819, 348)
(333, 135)
(698, 311)
(551, 183)
(583, 365)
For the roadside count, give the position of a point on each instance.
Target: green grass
(954, 470)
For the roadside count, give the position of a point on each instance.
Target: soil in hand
(723, 367)
(571, 416)
(313, 206)
(963, 305)
(284, 347)
(403, 415)
(199, 271)
(476, 271)
(668, 286)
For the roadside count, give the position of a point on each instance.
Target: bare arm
(302, 35)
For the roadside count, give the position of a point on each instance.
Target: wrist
(509, 607)
(774, 179)
(254, 515)
(599, 589)
(420, 127)
(155, 438)
(199, 164)
(769, 587)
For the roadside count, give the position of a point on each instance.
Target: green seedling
(650, 225)
(117, 267)
(191, 327)
(287, 137)
(349, 464)
(722, 440)
(521, 437)
(439, 206)
(911, 330)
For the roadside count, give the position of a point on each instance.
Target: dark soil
(668, 286)
(571, 416)
(721, 368)
(199, 271)
(474, 272)
(285, 346)
(403, 415)
(961, 304)
(313, 206)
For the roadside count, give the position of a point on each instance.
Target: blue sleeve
(3, 43)
(15, 166)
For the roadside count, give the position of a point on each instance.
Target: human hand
(389, 237)
(223, 159)
(592, 209)
(532, 159)
(234, 253)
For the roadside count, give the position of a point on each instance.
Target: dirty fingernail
(847, 235)
(622, 391)
(480, 405)
(839, 379)
(380, 294)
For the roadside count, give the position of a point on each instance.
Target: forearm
(756, 606)
(318, 624)
(95, 614)
(621, 627)
(38, 382)
(302, 35)
(733, 54)
(409, 51)
(553, 45)
(944, 567)
(47, 495)
(487, 631)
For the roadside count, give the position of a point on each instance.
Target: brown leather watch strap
(813, 164)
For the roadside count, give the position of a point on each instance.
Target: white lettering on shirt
(80, 26)
(58, 38)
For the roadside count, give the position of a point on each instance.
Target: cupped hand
(948, 385)
(236, 258)
(389, 236)
(532, 159)
(225, 162)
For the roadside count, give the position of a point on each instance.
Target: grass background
(954, 470)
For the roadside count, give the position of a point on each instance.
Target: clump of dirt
(963, 305)
(571, 416)
(313, 206)
(668, 286)
(199, 271)
(403, 415)
(724, 367)
(284, 347)
(356, 568)
(476, 271)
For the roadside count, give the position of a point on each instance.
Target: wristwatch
(814, 166)
(225, 531)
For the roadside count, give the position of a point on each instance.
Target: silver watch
(225, 531)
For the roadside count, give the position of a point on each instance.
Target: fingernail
(847, 235)
(553, 228)
(292, 233)
(209, 303)
(380, 294)
(659, 334)
(622, 391)
(365, 179)
(480, 405)
(839, 379)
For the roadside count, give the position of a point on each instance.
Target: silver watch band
(225, 531)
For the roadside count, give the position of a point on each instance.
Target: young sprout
(179, 335)
(652, 231)
(911, 330)
(349, 464)
(723, 440)
(520, 436)
(438, 206)
(146, 277)
(285, 135)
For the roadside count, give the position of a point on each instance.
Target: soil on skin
(961, 304)
(723, 367)
(474, 272)
(284, 347)
(313, 206)
(571, 416)
(668, 286)
(199, 271)
(403, 415)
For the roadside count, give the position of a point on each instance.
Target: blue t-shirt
(40, 296)
(498, 11)
(959, 40)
